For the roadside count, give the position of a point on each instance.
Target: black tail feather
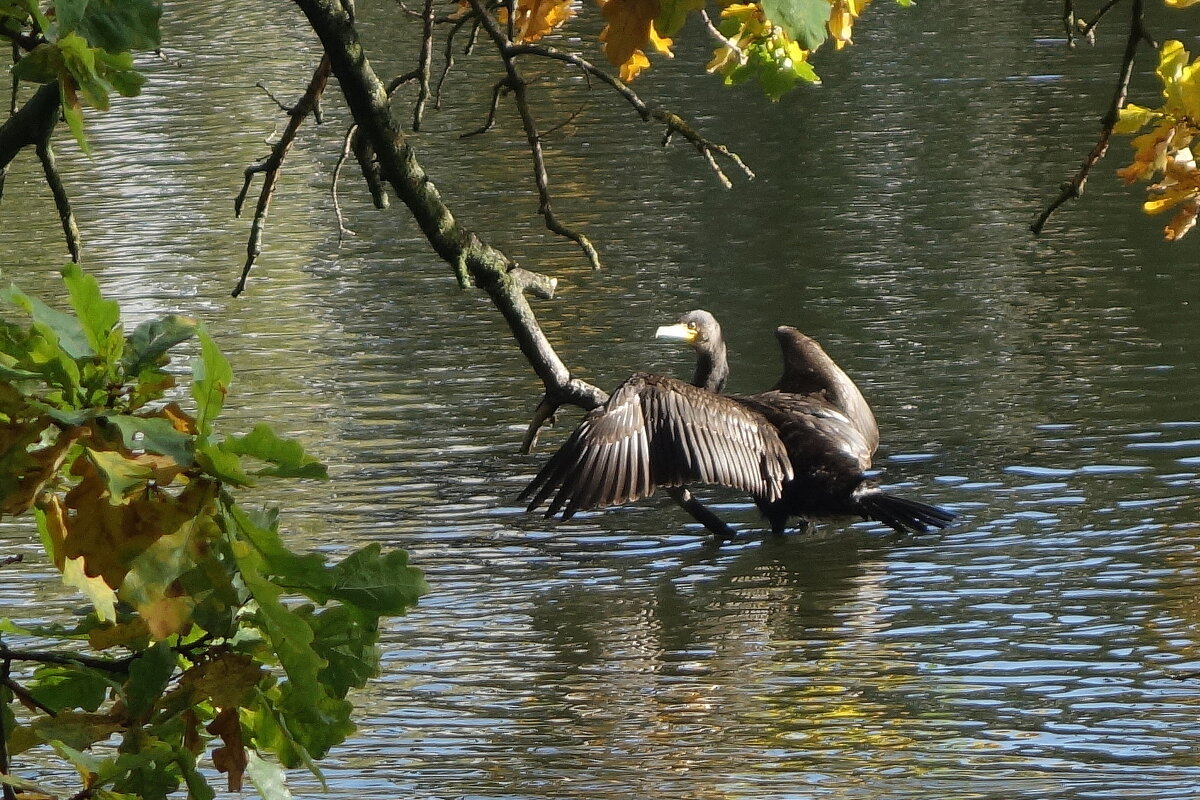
(901, 514)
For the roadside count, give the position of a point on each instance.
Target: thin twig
(547, 407)
(400, 80)
(574, 115)
(347, 148)
(673, 122)
(23, 695)
(517, 84)
(270, 167)
(114, 666)
(500, 89)
(424, 65)
(1089, 28)
(449, 55)
(62, 202)
(282, 107)
(1074, 187)
(730, 43)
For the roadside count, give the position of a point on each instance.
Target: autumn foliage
(769, 41)
(1163, 153)
(202, 625)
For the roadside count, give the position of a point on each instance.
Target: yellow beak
(676, 333)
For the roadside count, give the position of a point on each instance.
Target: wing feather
(658, 431)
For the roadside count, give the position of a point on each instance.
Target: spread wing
(808, 370)
(818, 436)
(658, 431)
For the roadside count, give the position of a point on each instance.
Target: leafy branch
(204, 625)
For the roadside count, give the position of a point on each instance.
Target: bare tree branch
(282, 106)
(516, 82)
(468, 256)
(62, 202)
(673, 122)
(497, 91)
(32, 125)
(449, 57)
(424, 65)
(271, 165)
(1074, 187)
(114, 666)
(1068, 21)
(347, 148)
(1089, 28)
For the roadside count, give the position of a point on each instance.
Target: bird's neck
(711, 369)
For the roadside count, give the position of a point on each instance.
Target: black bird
(800, 450)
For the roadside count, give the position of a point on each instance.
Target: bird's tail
(901, 514)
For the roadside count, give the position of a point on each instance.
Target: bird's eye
(691, 326)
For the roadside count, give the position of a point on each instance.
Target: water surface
(1045, 389)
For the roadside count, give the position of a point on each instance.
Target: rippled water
(1046, 390)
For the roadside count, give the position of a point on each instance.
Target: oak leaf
(53, 521)
(227, 680)
(536, 18)
(109, 537)
(629, 31)
(230, 758)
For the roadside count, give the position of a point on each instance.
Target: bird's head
(697, 328)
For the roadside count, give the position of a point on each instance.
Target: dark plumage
(801, 449)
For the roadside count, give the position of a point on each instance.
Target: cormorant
(800, 449)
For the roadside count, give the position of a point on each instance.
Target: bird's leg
(779, 525)
(701, 514)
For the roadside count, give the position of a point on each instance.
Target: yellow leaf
(1172, 59)
(108, 538)
(535, 18)
(841, 20)
(636, 63)
(660, 43)
(1180, 183)
(151, 584)
(34, 468)
(625, 37)
(1183, 221)
(1189, 90)
(1150, 152)
(95, 589)
(1180, 3)
(103, 598)
(179, 419)
(1134, 118)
